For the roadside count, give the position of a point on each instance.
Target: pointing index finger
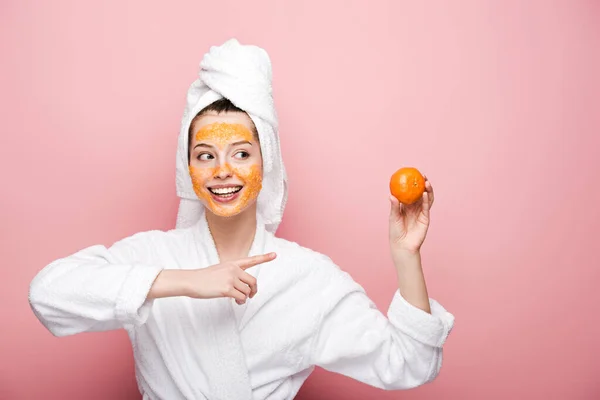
(248, 262)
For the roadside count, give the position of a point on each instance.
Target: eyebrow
(233, 144)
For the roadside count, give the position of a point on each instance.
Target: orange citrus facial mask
(223, 134)
(226, 169)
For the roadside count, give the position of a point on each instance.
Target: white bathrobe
(307, 312)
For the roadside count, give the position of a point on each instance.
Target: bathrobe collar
(229, 378)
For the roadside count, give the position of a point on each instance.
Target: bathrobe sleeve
(95, 289)
(355, 339)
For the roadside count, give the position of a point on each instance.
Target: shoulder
(307, 261)
(152, 243)
(293, 252)
(314, 271)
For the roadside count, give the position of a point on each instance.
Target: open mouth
(226, 193)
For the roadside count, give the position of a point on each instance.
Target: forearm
(169, 283)
(411, 281)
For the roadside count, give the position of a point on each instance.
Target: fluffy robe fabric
(307, 312)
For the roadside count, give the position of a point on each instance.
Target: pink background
(498, 102)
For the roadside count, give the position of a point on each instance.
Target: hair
(220, 106)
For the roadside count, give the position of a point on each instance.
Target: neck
(233, 236)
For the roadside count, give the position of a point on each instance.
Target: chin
(226, 213)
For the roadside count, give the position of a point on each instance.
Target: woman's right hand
(227, 279)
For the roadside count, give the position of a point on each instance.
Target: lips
(225, 194)
(225, 191)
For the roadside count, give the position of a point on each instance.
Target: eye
(242, 155)
(204, 157)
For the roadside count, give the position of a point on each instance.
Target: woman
(220, 308)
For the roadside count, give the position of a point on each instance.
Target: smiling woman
(225, 161)
(176, 292)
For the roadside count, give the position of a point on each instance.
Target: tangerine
(407, 185)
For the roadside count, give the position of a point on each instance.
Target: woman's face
(225, 162)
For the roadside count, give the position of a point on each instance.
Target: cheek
(252, 176)
(200, 176)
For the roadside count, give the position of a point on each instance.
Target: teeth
(228, 190)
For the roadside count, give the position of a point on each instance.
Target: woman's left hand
(409, 223)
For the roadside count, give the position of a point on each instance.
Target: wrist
(405, 254)
(406, 258)
(183, 283)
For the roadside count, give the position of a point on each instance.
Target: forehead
(234, 118)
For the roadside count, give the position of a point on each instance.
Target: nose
(223, 171)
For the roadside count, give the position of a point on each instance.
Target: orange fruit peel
(407, 185)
